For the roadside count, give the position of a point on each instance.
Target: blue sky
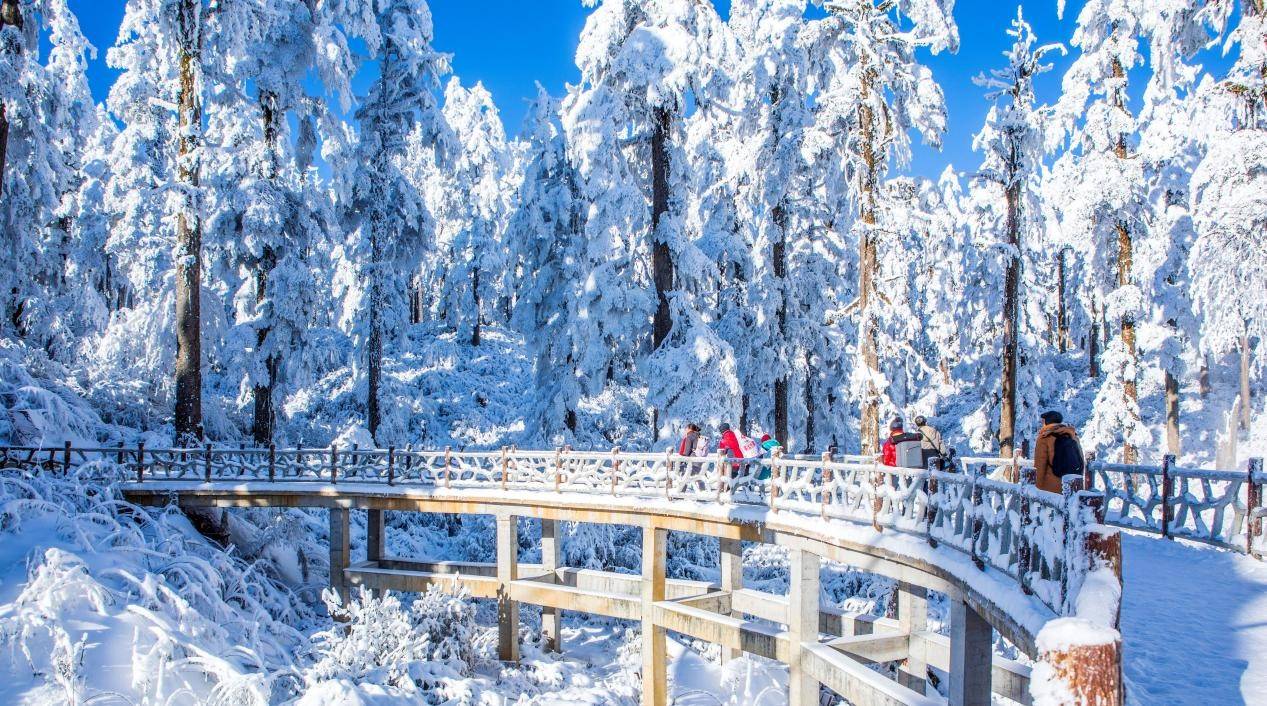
(510, 44)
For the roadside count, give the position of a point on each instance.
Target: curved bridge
(1037, 568)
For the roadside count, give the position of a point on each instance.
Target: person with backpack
(931, 445)
(692, 443)
(1057, 453)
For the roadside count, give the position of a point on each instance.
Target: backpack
(748, 446)
(1066, 457)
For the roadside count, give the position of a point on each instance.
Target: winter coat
(687, 447)
(730, 444)
(930, 440)
(888, 452)
(769, 445)
(1044, 449)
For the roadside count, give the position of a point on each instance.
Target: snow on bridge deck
(1194, 624)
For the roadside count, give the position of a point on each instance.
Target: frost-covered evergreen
(384, 214)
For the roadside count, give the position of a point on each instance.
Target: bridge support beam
(339, 558)
(912, 614)
(551, 618)
(375, 535)
(803, 608)
(654, 642)
(507, 571)
(731, 581)
(971, 657)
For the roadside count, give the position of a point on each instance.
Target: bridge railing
(1017, 530)
(1223, 508)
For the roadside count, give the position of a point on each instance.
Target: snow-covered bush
(424, 647)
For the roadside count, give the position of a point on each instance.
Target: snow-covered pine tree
(471, 204)
(46, 114)
(1012, 143)
(1104, 208)
(641, 65)
(542, 236)
(874, 85)
(267, 216)
(1228, 262)
(385, 215)
(771, 88)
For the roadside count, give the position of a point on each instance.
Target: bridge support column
(375, 536)
(803, 608)
(339, 550)
(551, 618)
(507, 571)
(971, 657)
(912, 614)
(654, 642)
(731, 581)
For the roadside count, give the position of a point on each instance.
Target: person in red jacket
(729, 442)
(889, 450)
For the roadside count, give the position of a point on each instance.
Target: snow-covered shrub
(427, 647)
(111, 587)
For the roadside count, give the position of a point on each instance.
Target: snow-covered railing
(1055, 547)
(1017, 530)
(1224, 508)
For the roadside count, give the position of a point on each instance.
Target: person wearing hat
(1057, 453)
(888, 452)
(931, 445)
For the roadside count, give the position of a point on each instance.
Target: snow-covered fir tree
(385, 216)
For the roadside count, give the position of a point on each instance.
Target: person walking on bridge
(692, 443)
(931, 445)
(1057, 453)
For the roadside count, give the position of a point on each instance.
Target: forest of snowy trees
(713, 224)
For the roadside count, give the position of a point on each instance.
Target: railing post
(206, 452)
(1088, 478)
(721, 473)
(391, 465)
(66, 458)
(930, 508)
(558, 469)
(140, 458)
(776, 476)
(977, 523)
(119, 457)
(1253, 504)
(615, 468)
(334, 464)
(1025, 549)
(825, 479)
(505, 467)
(140, 468)
(1167, 489)
(668, 473)
(272, 462)
(448, 472)
(409, 459)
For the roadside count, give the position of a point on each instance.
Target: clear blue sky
(510, 44)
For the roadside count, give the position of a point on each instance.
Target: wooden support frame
(507, 572)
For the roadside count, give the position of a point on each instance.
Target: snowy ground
(1194, 620)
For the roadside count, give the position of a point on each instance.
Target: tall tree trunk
(661, 256)
(1125, 260)
(778, 257)
(1062, 316)
(10, 16)
(1245, 398)
(188, 416)
(1093, 343)
(1011, 322)
(809, 404)
(868, 266)
(373, 369)
(475, 293)
(1172, 414)
(1203, 377)
(262, 422)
